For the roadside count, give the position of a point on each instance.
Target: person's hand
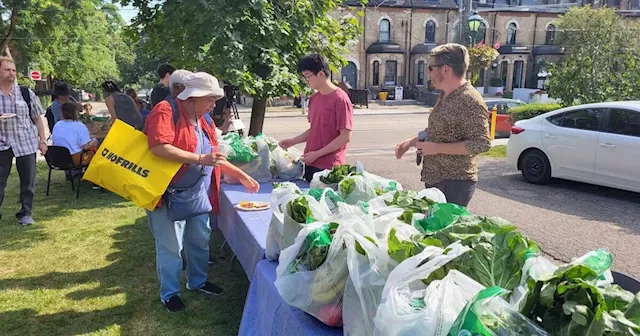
(250, 185)
(43, 148)
(310, 157)
(402, 148)
(286, 143)
(213, 159)
(427, 148)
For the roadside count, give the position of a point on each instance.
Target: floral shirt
(461, 116)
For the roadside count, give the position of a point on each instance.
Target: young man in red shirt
(330, 117)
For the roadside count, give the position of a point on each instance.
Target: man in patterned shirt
(21, 135)
(458, 128)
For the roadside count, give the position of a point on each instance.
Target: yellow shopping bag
(125, 166)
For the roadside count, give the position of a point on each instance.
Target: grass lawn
(88, 267)
(499, 152)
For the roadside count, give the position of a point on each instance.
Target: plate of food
(253, 206)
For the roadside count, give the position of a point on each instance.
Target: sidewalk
(373, 110)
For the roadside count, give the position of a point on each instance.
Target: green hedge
(531, 110)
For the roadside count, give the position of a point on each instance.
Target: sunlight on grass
(498, 152)
(88, 267)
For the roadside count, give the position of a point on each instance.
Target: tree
(254, 44)
(601, 62)
(481, 56)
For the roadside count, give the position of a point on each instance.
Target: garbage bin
(383, 95)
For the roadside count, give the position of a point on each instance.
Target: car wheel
(535, 167)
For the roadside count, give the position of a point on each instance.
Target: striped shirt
(19, 133)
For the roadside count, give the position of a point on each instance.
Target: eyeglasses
(431, 66)
(308, 77)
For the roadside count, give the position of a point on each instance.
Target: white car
(593, 143)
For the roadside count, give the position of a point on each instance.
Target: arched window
(512, 30)
(430, 32)
(385, 31)
(551, 34)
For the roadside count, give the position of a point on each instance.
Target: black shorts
(309, 171)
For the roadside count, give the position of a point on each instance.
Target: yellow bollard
(494, 116)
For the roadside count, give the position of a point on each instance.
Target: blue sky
(128, 12)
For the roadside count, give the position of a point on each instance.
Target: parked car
(592, 143)
(503, 125)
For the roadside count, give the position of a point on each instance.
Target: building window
(420, 73)
(376, 73)
(385, 31)
(390, 71)
(504, 67)
(518, 69)
(551, 34)
(430, 32)
(512, 30)
(482, 33)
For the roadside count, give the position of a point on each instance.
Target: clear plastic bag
(489, 315)
(401, 309)
(356, 188)
(257, 168)
(369, 266)
(381, 184)
(317, 184)
(287, 163)
(285, 192)
(319, 212)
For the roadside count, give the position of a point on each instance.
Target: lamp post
(474, 21)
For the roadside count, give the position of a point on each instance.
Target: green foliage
(602, 57)
(481, 56)
(531, 110)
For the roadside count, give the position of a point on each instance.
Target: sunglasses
(431, 66)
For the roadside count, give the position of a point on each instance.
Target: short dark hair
(165, 69)
(60, 90)
(110, 86)
(454, 55)
(70, 111)
(314, 63)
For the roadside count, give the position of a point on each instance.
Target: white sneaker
(26, 220)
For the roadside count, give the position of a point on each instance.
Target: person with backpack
(121, 106)
(22, 134)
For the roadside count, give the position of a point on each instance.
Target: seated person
(69, 132)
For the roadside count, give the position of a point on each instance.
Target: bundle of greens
(298, 209)
(408, 200)
(347, 186)
(314, 249)
(338, 173)
(568, 302)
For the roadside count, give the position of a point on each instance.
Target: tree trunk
(258, 110)
(12, 27)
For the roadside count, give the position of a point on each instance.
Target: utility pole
(463, 27)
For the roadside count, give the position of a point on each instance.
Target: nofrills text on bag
(129, 165)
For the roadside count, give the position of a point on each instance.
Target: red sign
(497, 45)
(35, 75)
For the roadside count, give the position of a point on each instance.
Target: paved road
(568, 219)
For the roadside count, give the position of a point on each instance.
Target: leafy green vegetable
(359, 248)
(314, 249)
(440, 216)
(338, 173)
(347, 186)
(299, 210)
(408, 201)
(401, 250)
(407, 217)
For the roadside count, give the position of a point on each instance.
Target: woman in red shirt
(181, 221)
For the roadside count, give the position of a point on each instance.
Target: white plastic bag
(257, 168)
(382, 184)
(275, 236)
(287, 163)
(398, 313)
(356, 188)
(367, 276)
(379, 206)
(317, 184)
(318, 292)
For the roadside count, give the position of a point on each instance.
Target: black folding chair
(626, 282)
(59, 158)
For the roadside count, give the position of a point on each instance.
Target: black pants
(457, 191)
(26, 166)
(309, 171)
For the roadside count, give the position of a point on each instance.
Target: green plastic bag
(440, 216)
(314, 250)
(489, 315)
(242, 150)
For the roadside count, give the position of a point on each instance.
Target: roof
(384, 48)
(423, 48)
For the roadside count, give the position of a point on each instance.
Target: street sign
(35, 75)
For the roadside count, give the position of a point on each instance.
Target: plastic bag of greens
(241, 151)
(298, 212)
(439, 216)
(382, 185)
(331, 177)
(258, 168)
(327, 196)
(312, 276)
(281, 194)
(489, 315)
(402, 306)
(369, 266)
(356, 188)
(287, 163)
(407, 200)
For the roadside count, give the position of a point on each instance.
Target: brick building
(398, 35)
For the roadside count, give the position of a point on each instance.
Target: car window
(584, 119)
(624, 122)
(556, 119)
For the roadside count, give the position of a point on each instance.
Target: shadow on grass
(128, 292)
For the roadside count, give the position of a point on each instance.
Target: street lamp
(474, 21)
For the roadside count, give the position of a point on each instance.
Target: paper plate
(253, 206)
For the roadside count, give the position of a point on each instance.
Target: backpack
(51, 120)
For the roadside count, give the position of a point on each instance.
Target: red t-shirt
(160, 129)
(328, 114)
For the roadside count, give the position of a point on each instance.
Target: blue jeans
(171, 237)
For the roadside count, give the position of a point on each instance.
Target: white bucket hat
(200, 84)
(178, 76)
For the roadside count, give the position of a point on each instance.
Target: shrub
(531, 110)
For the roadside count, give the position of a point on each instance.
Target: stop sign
(35, 75)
